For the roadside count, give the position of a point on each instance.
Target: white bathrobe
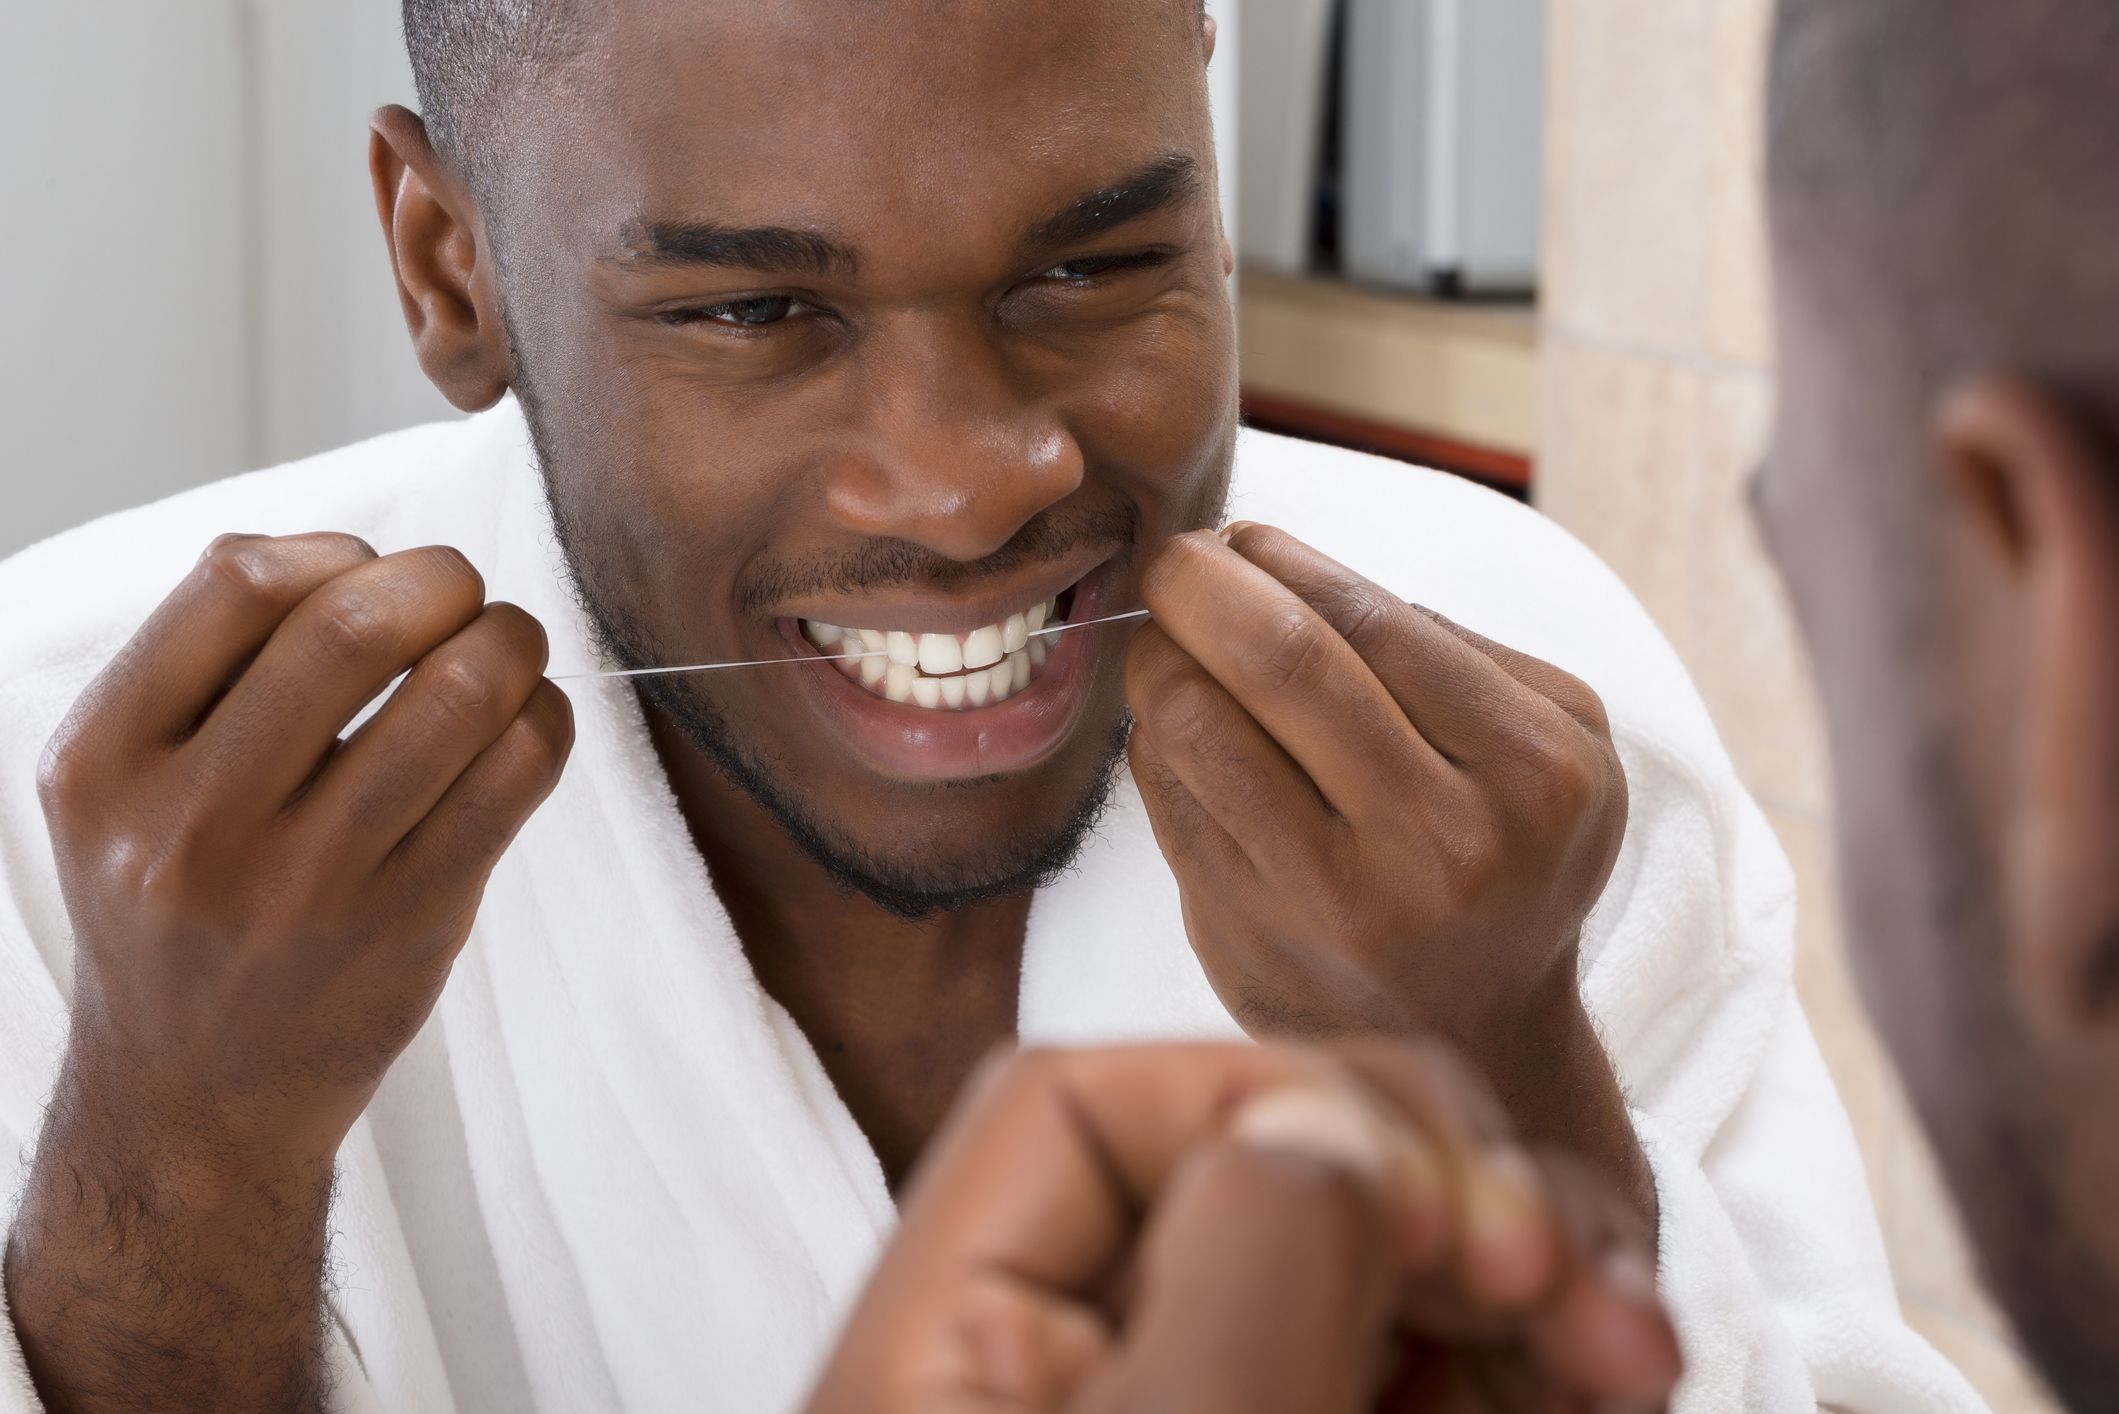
(610, 1173)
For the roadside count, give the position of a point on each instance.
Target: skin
(1943, 500)
(1982, 906)
(940, 426)
(1089, 1236)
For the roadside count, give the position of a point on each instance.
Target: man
(1943, 498)
(902, 326)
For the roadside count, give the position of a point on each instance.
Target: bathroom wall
(1657, 342)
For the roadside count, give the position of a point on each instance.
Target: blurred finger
(1266, 1284)
(1605, 1328)
(1008, 1347)
(1497, 1243)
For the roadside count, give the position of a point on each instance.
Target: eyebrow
(1159, 184)
(682, 243)
(1163, 182)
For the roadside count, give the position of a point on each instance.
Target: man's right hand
(264, 915)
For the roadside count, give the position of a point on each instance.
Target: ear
(2039, 490)
(443, 266)
(1211, 35)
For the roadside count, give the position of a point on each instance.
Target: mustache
(884, 564)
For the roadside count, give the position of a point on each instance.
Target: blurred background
(1519, 239)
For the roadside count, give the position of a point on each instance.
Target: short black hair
(1945, 174)
(468, 54)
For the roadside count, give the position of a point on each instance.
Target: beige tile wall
(1655, 408)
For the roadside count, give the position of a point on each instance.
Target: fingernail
(1228, 532)
(1316, 1125)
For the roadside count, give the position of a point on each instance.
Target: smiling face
(897, 324)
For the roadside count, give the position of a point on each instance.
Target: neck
(898, 1011)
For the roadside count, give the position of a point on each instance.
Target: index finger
(1454, 684)
(195, 643)
(1294, 674)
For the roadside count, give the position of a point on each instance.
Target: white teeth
(940, 655)
(982, 648)
(937, 671)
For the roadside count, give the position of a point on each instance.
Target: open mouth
(946, 672)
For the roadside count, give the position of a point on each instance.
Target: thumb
(1265, 1283)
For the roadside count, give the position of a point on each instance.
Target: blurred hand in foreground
(1238, 1228)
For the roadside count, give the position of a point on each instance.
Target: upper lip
(912, 610)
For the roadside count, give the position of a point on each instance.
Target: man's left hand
(1380, 822)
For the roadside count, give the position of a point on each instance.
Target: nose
(952, 449)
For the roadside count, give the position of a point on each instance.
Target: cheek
(1161, 410)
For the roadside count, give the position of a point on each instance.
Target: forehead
(924, 119)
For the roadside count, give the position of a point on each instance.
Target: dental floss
(617, 673)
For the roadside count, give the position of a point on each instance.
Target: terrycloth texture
(611, 1173)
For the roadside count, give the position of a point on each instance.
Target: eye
(1092, 267)
(758, 312)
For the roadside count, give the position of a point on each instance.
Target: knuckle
(460, 691)
(1291, 649)
(158, 881)
(549, 717)
(1584, 703)
(346, 626)
(1188, 712)
(1557, 772)
(59, 771)
(520, 629)
(343, 545)
(449, 567)
(246, 566)
(1474, 867)
(1362, 612)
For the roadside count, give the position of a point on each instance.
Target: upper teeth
(941, 670)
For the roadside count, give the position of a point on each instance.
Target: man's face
(908, 317)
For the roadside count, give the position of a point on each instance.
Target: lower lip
(923, 745)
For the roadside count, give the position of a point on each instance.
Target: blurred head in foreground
(1943, 498)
